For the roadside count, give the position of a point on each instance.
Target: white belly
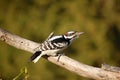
(50, 52)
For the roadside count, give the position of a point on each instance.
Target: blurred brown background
(36, 19)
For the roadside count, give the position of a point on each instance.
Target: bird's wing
(50, 36)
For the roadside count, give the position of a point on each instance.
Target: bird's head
(72, 35)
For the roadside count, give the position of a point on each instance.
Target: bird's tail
(36, 56)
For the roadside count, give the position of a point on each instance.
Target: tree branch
(105, 73)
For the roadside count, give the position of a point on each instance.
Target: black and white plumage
(54, 44)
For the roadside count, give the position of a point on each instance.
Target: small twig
(110, 68)
(65, 62)
(24, 72)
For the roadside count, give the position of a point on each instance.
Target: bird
(54, 44)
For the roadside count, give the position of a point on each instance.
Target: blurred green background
(36, 19)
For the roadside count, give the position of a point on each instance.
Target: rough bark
(106, 72)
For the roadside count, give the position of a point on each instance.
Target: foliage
(24, 72)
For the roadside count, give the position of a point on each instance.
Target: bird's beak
(79, 33)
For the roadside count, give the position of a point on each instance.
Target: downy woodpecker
(54, 44)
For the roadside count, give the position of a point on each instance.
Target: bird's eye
(71, 34)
